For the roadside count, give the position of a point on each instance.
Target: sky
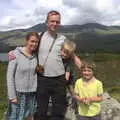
(17, 14)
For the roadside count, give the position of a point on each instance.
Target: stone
(110, 109)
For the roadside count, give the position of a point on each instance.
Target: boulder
(110, 109)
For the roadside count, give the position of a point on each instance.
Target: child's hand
(67, 75)
(80, 99)
(87, 101)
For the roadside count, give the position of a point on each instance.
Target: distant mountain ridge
(69, 28)
(90, 37)
(75, 27)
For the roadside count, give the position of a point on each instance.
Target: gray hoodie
(21, 75)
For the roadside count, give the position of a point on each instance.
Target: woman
(22, 80)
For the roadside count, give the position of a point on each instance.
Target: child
(88, 93)
(69, 59)
(67, 53)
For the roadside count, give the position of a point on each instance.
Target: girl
(88, 93)
(22, 80)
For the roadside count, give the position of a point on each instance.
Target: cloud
(117, 22)
(30, 12)
(17, 14)
(90, 10)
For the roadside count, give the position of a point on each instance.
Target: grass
(108, 32)
(107, 70)
(3, 95)
(114, 92)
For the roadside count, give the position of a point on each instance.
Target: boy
(88, 93)
(67, 53)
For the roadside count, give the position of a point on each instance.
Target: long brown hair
(31, 34)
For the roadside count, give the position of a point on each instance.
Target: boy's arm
(96, 99)
(67, 75)
(89, 100)
(67, 64)
(99, 96)
(78, 98)
(77, 61)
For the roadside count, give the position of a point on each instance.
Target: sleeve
(100, 89)
(76, 89)
(11, 79)
(68, 68)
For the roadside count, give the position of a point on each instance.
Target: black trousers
(97, 117)
(54, 87)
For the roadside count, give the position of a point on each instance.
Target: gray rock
(110, 109)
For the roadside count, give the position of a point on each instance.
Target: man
(52, 83)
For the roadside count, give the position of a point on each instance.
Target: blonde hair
(68, 47)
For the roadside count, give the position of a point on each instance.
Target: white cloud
(92, 11)
(6, 20)
(26, 13)
(117, 22)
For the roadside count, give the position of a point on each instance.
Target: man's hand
(11, 56)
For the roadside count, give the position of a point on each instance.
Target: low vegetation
(107, 70)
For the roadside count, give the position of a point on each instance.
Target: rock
(110, 109)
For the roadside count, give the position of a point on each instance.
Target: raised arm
(77, 61)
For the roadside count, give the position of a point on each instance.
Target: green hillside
(3, 93)
(91, 37)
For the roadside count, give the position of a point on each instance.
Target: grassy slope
(3, 96)
(17, 37)
(107, 70)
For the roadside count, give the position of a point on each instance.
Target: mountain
(38, 28)
(70, 28)
(90, 37)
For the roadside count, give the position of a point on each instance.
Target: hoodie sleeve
(12, 65)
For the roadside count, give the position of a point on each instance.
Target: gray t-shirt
(53, 66)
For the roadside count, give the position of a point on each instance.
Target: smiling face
(32, 43)
(87, 73)
(53, 22)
